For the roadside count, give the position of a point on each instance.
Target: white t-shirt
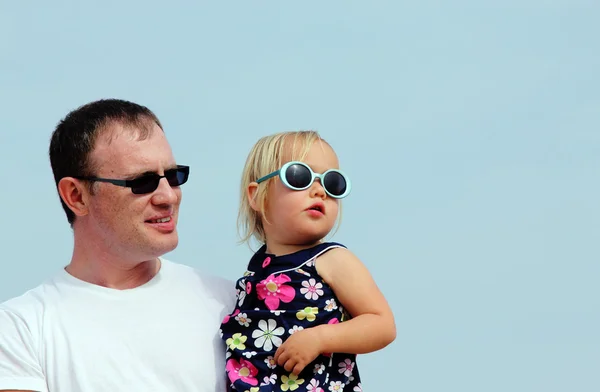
(68, 335)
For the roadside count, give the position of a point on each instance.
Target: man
(119, 317)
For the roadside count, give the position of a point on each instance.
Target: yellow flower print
(290, 383)
(307, 313)
(236, 341)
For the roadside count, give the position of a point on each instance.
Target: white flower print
(346, 367)
(319, 368)
(314, 386)
(221, 333)
(330, 305)
(227, 354)
(267, 335)
(241, 292)
(358, 388)
(311, 289)
(270, 361)
(295, 329)
(336, 386)
(276, 312)
(249, 354)
(310, 263)
(243, 319)
(269, 380)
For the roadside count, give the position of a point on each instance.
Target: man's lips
(164, 224)
(163, 219)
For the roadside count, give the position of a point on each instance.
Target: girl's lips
(315, 213)
(317, 207)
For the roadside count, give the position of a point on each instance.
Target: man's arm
(20, 369)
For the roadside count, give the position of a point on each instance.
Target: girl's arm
(371, 328)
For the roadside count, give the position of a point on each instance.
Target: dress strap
(314, 257)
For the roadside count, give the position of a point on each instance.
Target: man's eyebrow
(133, 175)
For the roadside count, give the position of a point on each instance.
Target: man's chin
(165, 244)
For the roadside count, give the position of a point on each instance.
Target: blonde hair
(267, 156)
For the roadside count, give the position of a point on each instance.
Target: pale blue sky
(471, 131)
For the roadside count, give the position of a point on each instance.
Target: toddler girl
(305, 307)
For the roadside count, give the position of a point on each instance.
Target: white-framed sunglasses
(299, 176)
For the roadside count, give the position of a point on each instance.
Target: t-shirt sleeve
(19, 363)
(226, 291)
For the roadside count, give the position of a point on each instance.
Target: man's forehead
(125, 150)
(114, 130)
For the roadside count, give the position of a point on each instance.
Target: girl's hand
(300, 349)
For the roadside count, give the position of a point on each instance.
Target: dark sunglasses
(299, 176)
(148, 183)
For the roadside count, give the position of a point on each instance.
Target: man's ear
(251, 193)
(75, 195)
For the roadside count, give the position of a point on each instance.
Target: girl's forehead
(319, 156)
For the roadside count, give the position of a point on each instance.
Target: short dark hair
(75, 136)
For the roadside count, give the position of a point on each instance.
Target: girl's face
(297, 219)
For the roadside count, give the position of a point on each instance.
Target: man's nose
(165, 194)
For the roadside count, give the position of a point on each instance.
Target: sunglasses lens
(145, 184)
(298, 176)
(149, 183)
(335, 183)
(177, 177)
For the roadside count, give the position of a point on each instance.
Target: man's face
(124, 224)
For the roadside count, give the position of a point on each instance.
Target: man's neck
(104, 269)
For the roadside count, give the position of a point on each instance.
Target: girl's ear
(251, 193)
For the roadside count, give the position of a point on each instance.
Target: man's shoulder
(186, 270)
(213, 285)
(30, 305)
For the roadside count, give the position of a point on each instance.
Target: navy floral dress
(277, 296)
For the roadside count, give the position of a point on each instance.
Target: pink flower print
(226, 318)
(243, 370)
(266, 262)
(346, 367)
(273, 289)
(314, 386)
(248, 287)
(311, 289)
